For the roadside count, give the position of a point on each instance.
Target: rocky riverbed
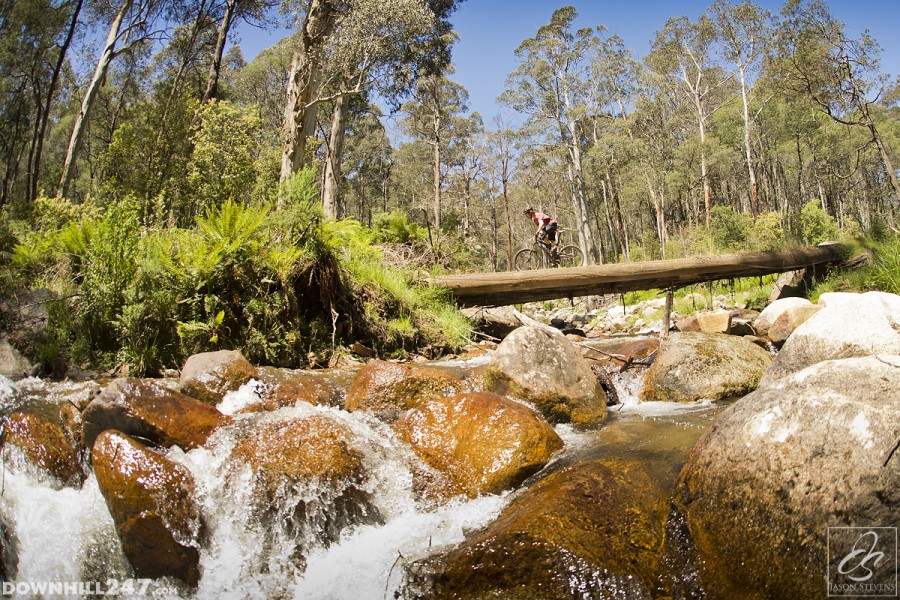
(563, 459)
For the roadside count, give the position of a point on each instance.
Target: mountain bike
(543, 255)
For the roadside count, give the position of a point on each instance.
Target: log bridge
(517, 287)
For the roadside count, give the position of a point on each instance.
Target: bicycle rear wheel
(527, 259)
(571, 256)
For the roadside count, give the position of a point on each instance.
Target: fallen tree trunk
(498, 289)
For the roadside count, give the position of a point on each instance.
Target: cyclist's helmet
(528, 211)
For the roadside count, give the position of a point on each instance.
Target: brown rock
(301, 388)
(208, 376)
(614, 354)
(151, 500)
(392, 387)
(774, 310)
(48, 434)
(541, 366)
(482, 442)
(303, 477)
(688, 324)
(150, 410)
(789, 320)
(593, 530)
(716, 321)
(704, 366)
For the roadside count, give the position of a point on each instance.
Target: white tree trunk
(109, 52)
(331, 192)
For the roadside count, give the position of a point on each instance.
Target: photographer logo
(862, 561)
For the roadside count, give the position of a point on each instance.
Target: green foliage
(816, 225)
(226, 145)
(728, 228)
(394, 227)
(766, 232)
(886, 267)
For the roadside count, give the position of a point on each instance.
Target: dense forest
(177, 197)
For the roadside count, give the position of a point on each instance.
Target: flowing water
(66, 535)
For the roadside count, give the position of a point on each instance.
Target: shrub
(816, 225)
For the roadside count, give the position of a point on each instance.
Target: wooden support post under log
(517, 287)
(667, 315)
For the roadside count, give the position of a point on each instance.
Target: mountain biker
(546, 231)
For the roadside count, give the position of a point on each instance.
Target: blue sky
(491, 30)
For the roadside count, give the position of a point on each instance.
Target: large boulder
(148, 409)
(482, 442)
(390, 388)
(24, 323)
(592, 530)
(774, 310)
(49, 436)
(303, 481)
(812, 451)
(849, 325)
(541, 366)
(152, 503)
(704, 366)
(208, 376)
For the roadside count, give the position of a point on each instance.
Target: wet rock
(48, 434)
(482, 442)
(620, 354)
(150, 410)
(774, 310)
(151, 500)
(12, 364)
(497, 322)
(716, 321)
(849, 325)
(301, 388)
(208, 376)
(790, 320)
(303, 479)
(779, 467)
(9, 556)
(593, 530)
(704, 366)
(390, 388)
(541, 366)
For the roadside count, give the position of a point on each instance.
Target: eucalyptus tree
(839, 73)
(433, 115)
(744, 32)
(550, 87)
(505, 151)
(132, 23)
(681, 56)
(35, 36)
(368, 161)
(344, 46)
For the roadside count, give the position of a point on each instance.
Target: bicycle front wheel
(571, 256)
(527, 259)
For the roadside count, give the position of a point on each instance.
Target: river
(67, 537)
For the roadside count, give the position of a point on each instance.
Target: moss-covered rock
(208, 376)
(781, 466)
(593, 530)
(704, 366)
(150, 410)
(152, 503)
(541, 366)
(482, 442)
(390, 388)
(49, 435)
